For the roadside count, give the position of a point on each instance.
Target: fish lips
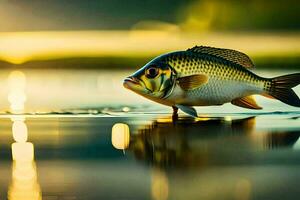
(133, 84)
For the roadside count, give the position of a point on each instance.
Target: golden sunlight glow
(120, 136)
(24, 184)
(16, 95)
(164, 120)
(20, 47)
(228, 118)
(17, 80)
(200, 119)
(24, 176)
(22, 151)
(159, 185)
(19, 130)
(23, 171)
(199, 21)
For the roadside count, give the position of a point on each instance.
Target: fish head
(154, 81)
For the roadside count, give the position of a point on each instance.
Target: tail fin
(281, 89)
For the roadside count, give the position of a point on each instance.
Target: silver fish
(205, 76)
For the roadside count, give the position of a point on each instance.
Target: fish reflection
(159, 184)
(24, 184)
(120, 138)
(281, 139)
(202, 142)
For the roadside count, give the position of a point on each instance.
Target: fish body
(226, 81)
(205, 76)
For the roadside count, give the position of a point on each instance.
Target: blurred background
(88, 47)
(69, 130)
(125, 34)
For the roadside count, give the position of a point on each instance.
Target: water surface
(57, 141)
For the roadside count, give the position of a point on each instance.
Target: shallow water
(84, 137)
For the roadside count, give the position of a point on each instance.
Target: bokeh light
(120, 136)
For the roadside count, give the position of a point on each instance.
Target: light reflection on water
(24, 184)
(163, 160)
(159, 184)
(189, 142)
(120, 136)
(198, 146)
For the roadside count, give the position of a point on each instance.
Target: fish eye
(152, 72)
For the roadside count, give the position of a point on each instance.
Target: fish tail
(281, 88)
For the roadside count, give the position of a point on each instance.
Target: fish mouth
(131, 83)
(136, 85)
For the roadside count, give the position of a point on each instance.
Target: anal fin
(246, 102)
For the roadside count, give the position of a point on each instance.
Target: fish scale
(221, 75)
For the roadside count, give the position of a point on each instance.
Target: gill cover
(157, 78)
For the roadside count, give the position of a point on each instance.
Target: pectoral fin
(188, 110)
(246, 102)
(192, 82)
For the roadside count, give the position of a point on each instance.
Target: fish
(208, 76)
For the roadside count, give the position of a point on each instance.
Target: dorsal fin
(227, 54)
